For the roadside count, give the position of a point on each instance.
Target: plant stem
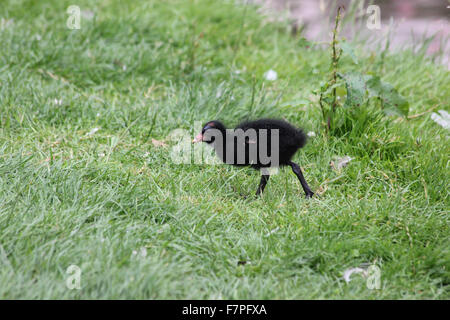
(334, 65)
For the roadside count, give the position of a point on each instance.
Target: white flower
(271, 75)
(141, 254)
(311, 134)
(443, 119)
(58, 102)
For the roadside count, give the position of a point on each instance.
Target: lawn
(87, 176)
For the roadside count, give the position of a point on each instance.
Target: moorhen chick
(250, 142)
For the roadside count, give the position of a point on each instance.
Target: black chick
(259, 144)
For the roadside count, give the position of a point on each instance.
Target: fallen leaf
(340, 163)
(322, 190)
(158, 143)
(93, 131)
(349, 272)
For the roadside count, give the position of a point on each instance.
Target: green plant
(358, 88)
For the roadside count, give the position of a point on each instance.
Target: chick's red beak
(198, 138)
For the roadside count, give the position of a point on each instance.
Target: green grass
(67, 197)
